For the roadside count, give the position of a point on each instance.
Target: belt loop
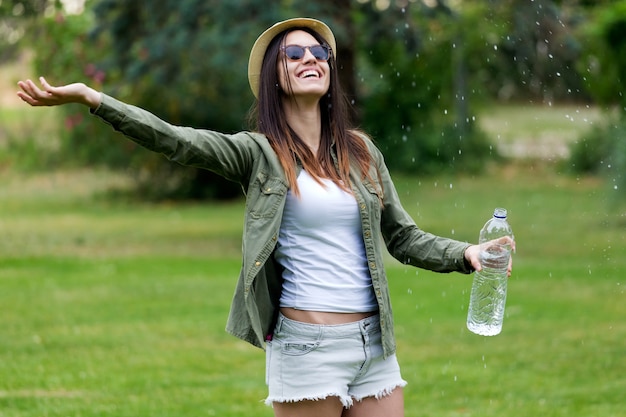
(279, 322)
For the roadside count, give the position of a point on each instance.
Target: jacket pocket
(374, 197)
(265, 196)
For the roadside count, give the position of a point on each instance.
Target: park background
(117, 267)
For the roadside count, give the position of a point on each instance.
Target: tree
(197, 49)
(604, 58)
(415, 71)
(603, 67)
(14, 17)
(407, 90)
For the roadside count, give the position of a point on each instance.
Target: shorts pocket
(296, 348)
(296, 341)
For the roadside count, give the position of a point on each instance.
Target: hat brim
(260, 46)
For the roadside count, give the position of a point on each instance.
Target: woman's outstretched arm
(48, 95)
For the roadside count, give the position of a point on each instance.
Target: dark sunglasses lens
(294, 52)
(319, 52)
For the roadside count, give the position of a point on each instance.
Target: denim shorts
(312, 362)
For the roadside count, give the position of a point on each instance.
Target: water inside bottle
(488, 297)
(494, 256)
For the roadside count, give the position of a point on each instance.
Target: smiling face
(307, 76)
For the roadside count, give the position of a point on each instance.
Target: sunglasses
(296, 52)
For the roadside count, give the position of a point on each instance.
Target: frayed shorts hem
(346, 400)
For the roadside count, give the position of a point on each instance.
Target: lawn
(112, 308)
(118, 308)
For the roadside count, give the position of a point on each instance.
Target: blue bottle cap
(500, 213)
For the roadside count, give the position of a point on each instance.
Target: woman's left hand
(472, 255)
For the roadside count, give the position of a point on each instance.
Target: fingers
(472, 254)
(28, 92)
(33, 95)
(508, 240)
(476, 264)
(47, 87)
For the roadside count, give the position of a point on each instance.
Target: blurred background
(425, 77)
(117, 267)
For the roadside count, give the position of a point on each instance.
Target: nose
(308, 56)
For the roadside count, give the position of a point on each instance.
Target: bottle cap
(500, 213)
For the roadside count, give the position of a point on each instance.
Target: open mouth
(309, 74)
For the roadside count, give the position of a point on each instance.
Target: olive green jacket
(248, 159)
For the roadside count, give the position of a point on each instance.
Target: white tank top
(321, 248)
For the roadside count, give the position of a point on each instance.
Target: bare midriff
(323, 317)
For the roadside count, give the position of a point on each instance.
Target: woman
(312, 289)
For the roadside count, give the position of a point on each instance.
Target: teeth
(308, 73)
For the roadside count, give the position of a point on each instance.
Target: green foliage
(65, 53)
(416, 73)
(590, 152)
(28, 139)
(15, 18)
(602, 150)
(176, 60)
(409, 100)
(604, 62)
(535, 50)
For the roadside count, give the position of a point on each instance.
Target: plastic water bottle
(488, 297)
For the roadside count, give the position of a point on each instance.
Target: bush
(602, 151)
(590, 152)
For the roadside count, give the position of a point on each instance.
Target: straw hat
(260, 46)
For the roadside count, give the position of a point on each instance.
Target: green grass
(118, 309)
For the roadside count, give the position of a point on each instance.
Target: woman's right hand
(48, 95)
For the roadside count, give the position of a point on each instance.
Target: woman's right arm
(230, 156)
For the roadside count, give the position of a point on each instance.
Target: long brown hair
(336, 125)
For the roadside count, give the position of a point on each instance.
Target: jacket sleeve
(230, 156)
(409, 244)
